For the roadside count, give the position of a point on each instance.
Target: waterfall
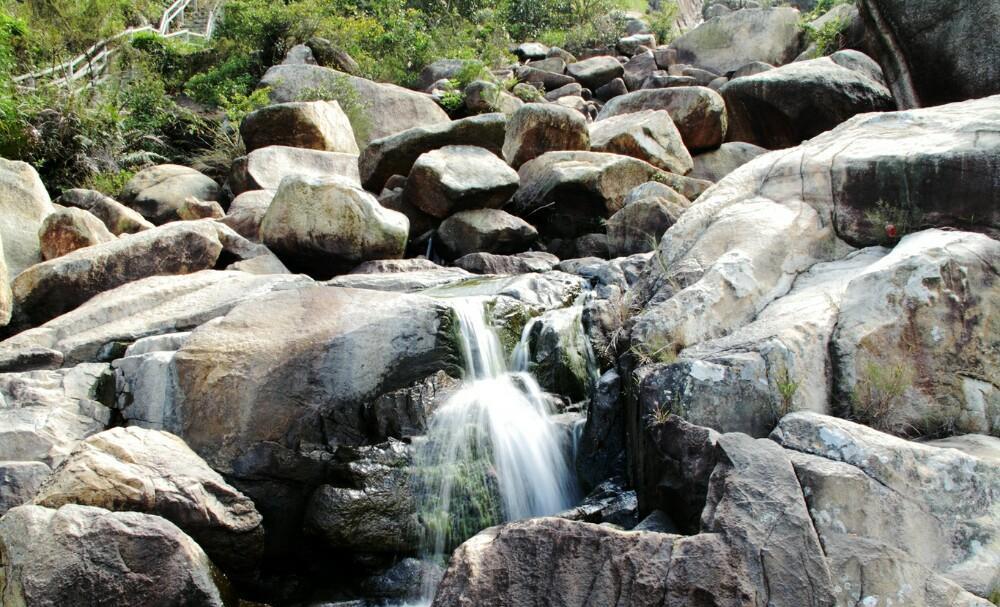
(491, 454)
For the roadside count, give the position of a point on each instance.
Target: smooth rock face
(24, 203)
(596, 71)
(917, 329)
(784, 106)
(539, 128)
(459, 178)
(80, 555)
(935, 504)
(935, 52)
(160, 304)
(567, 193)
(118, 218)
(395, 155)
(44, 414)
(57, 286)
(487, 231)
(648, 135)
(601, 452)
(521, 263)
(726, 43)
(264, 168)
(387, 109)
(329, 225)
(70, 229)
(158, 192)
(716, 164)
(139, 470)
(699, 113)
(246, 212)
(638, 226)
(317, 125)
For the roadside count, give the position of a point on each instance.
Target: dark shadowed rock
(158, 192)
(698, 113)
(638, 226)
(486, 231)
(601, 452)
(19, 482)
(716, 164)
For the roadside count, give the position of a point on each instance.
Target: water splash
(492, 453)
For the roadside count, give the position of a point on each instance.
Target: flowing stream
(492, 453)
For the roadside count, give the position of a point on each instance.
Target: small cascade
(491, 453)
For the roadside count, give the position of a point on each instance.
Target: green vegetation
(878, 394)
(787, 387)
(341, 91)
(658, 416)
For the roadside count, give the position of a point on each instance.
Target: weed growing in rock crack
(878, 393)
(658, 416)
(828, 38)
(656, 350)
(894, 221)
(622, 308)
(787, 387)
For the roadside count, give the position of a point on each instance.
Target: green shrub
(663, 22)
(350, 101)
(828, 38)
(878, 394)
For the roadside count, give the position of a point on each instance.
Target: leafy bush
(350, 101)
(878, 394)
(663, 22)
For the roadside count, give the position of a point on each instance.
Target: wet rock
(698, 113)
(647, 135)
(784, 106)
(730, 41)
(538, 128)
(138, 470)
(118, 218)
(316, 125)
(609, 503)
(459, 178)
(159, 191)
(264, 168)
(69, 229)
(395, 155)
(601, 452)
(328, 225)
(404, 413)
(559, 353)
(85, 555)
(485, 231)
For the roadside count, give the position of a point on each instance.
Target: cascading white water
(492, 454)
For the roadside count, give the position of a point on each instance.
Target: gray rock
(159, 191)
(554, 64)
(782, 107)
(80, 555)
(611, 90)
(859, 62)
(935, 52)
(638, 69)
(482, 97)
(459, 178)
(59, 285)
(638, 226)
(300, 54)
(442, 69)
(751, 69)
(395, 155)
(24, 204)
(530, 50)
(664, 80)
(601, 452)
(596, 71)
(316, 125)
(716, 164)
(386, 109)
(69, 229)
(635, 44)
(522, 263)
(328, 55)
(648, 135)
(139, 470)
(698, 113)
(545, 290)
(19, 482)
(118, 218)
(328, 225)
(572, 89)
(264, 168)
(538, 128)
(485, 231)
(413, 281)
(728, 42)
(548, 79)
(246, 211)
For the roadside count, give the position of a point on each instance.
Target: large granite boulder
(264, 168)
(385, 109)
(395, 154)
(718, 163)
(567, 194)
(247, 211)
(538, 128)
(596, 71)
(726, 43)
(118, 218)
(459, 178)
(81, 555)
(317, 125)
(638, 226)
(57, 286)
(648, 135)
(24, 203)
(100, 328)
(699, 113)
(485, 231)
(328, 225)
(935, 52)
(782, 107)
(19, 482)
(159, 191)
(139, 470)
(69, 229)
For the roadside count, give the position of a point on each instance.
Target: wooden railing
(92, 63)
